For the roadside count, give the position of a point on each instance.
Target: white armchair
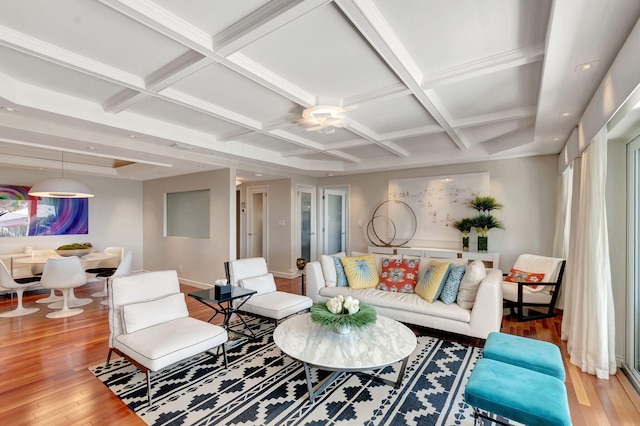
(252, 273)
(150, 325)
(536, 283)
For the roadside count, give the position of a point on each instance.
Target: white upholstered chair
(538, 294)
(64, 274)
(252, 273)
(19, 286)
(150, 325)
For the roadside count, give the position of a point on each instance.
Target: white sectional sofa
(481, 319)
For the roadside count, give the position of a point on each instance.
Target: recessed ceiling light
(566, 114)
(10, 109)
(181, 146)
(556, 139)
(257, 174)
(92, 148)
(586, 66)
(133, 136)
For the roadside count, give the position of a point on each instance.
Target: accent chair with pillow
(533, 282)
(150, 325)
(252, 273)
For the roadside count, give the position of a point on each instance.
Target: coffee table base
(326, 382)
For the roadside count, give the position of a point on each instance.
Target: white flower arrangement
(343, 311)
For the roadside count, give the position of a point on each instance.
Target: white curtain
(563, 222)
(588, 320)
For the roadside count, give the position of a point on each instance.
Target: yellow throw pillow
(430, 285)
(361, 271)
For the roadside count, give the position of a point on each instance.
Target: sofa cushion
(431, 283)
(399, 275)
(361, 271)
(329, 268)
(471, 280)
(262, 284)
(341, 277)
(426, 261)
(137, 316)
(189, 336)
(277, 304)
(401, 302)
(516, 275)
(452, 283)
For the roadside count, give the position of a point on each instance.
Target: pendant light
(60, 187)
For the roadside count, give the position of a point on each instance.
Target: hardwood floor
(45, 378)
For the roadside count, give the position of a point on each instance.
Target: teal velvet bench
(536, 355)
(519, 379)
(517, 394)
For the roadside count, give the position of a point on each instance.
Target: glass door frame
(300, 189)
(632, 355)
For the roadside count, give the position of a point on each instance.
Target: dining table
(90, 260)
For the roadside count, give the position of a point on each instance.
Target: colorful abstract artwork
(22, 215)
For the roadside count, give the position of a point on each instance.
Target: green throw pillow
(361, 271)
(430, 285)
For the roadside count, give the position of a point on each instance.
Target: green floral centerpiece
(342, 313)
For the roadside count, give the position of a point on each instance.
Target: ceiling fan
(323, 118)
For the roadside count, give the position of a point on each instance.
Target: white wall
(198, 261)
(526, 186)
(115, 215)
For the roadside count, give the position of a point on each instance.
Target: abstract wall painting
(22, 215)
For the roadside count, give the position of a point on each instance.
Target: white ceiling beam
(161, 20)
(234, 134)
(273, 15)
(488, 65)
(366, 17)
(509, 141)
(123, 100)
(391, 91)
(371, 136)
(65, 58)
(182, 67)
(496, 117)
(408, 133)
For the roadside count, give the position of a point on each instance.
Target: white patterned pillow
(329, 269)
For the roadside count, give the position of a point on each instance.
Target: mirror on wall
(187, 214)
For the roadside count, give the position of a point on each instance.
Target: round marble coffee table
(378, 345)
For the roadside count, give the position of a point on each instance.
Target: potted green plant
(485, 221)
(464, 226)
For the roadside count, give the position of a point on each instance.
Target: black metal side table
(225, 306)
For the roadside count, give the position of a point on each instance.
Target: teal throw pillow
(449, 291)
(341, 277)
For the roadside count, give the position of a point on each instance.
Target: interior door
(257, 221)
(335, 220)
(306, 230)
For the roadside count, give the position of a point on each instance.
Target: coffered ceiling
(150, 88)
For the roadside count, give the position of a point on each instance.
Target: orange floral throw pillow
(399, 275)
(518, 276)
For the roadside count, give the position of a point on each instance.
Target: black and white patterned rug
(264, 387)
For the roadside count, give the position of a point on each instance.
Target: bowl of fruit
(75, 249)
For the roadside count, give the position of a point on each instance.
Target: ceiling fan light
(60, 188)
(321, 117)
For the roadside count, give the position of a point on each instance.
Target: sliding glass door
(633, 262)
